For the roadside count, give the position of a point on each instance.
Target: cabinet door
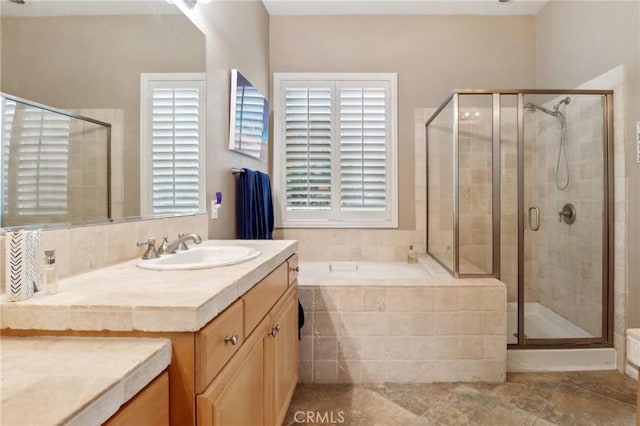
(236, 396)
(150, 406)
(284, 354)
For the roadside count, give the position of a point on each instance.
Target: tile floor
(573, 398)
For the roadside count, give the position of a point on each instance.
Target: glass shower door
(562, 179)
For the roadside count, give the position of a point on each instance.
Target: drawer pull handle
(296, 269)
(275, 330)
(233, 339)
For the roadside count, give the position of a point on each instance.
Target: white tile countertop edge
(124, 297)
(101, 374)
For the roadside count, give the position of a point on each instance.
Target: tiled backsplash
(85, 248)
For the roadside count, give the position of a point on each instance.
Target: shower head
(565, 101)
(531, 107)
(17, 1)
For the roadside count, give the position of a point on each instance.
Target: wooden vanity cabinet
(281, 359)
(149, 407)
(256, 386)
(236, 396)
(213, 381)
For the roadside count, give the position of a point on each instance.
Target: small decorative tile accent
(23, 272)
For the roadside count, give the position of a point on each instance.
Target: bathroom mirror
(249, 118)
(88, 57)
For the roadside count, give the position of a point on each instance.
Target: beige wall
(577, 41)
(237, 34)
(431, 54)
(76, 62)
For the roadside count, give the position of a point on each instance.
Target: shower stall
(520, 188)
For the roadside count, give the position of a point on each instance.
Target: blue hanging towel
(254, 214)
(254, 206)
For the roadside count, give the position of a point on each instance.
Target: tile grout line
(547, 400)
(389, 400)
(438, 401)
(602, 396)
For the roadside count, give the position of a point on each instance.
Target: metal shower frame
(606, 338)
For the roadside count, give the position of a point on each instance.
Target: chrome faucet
(180, 244)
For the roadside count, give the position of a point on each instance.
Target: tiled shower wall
(475, 191)
(569, 257)
(475, 184)
(612, 80)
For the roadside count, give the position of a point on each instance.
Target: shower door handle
(534, 225)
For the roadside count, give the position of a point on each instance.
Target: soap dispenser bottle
(50, 272)
(411, 255)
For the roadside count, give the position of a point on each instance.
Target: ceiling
(403, 7)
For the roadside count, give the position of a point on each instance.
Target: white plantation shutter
(172, 129)
(363, 152)
(308, 131)
(35, 155)
(334, 154)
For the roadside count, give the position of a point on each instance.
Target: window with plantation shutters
(35, 157)
(172, 131)
(335, 150)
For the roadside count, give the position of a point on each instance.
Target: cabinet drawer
(260, 299)
(293, 268)
(217, 342)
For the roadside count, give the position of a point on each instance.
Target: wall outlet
(214, 209)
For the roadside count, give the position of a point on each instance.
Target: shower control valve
(567, 214)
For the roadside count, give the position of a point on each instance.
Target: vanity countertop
(124, 297)
(75, 381)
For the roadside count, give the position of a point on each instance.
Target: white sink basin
(201, 258)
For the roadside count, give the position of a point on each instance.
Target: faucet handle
(183, 245)
(150, 252)
(163, 247)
